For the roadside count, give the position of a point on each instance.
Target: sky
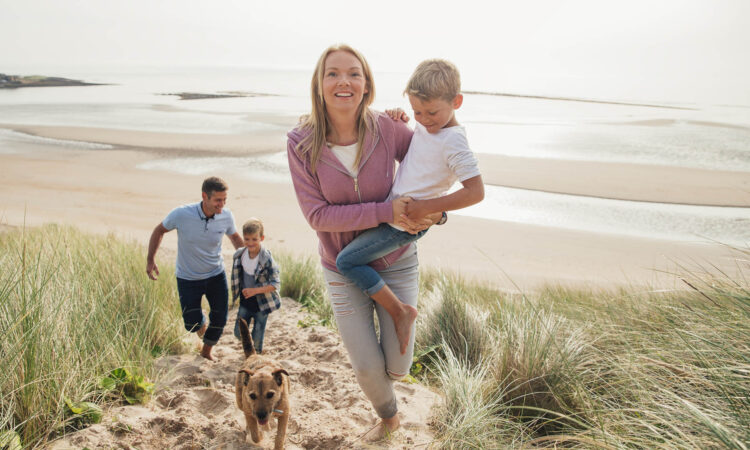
(678, 50)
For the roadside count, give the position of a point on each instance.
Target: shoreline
(605, 180)
(105, 192)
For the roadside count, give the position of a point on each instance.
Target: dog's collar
(278, 411)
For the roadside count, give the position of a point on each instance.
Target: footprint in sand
(168, 425)
(170, 400)
(330, 355)
(316, 336)
(404, 388)
(309, 377)
(211, 401)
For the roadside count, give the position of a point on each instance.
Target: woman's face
(344, 83)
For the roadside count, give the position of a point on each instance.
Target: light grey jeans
(376, 362)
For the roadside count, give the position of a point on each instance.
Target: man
(200, 266)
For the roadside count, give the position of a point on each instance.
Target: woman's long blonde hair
(317, 120)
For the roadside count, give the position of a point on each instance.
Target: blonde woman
(342, 161)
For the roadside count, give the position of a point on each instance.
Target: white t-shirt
(347, 154)
(249, 264)
(433, 163)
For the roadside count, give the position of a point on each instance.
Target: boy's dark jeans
(217, 294)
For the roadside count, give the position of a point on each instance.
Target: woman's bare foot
(206, 352)
(383, 430)
(403, 323)
(202, 330)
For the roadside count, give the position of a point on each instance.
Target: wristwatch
(442, 219)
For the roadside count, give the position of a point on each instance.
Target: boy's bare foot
(383, 430)
(202, 330)
(403, 323)
(206, 352)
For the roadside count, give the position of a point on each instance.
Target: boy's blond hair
(433, 79)
(253, 226)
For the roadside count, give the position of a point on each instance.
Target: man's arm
(471, 193)
(236, 240)
(153, 246)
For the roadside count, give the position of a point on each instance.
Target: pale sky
(662, 46)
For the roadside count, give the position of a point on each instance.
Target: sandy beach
(194, 406)
(103, 191)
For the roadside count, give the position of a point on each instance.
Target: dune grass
(590, 368)
(302, 280)
(559, 367)
(579, 368)
(73, 307)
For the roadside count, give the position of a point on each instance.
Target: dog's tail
(247, 342)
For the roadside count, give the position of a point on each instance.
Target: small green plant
(82, 414)
(311, 321)
(10, 440)
(132, 388)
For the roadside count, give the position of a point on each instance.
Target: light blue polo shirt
(199, 240)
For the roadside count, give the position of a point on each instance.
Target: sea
(593, 125)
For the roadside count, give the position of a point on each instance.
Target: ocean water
(707, 136)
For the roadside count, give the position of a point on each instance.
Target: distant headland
(223, 94)
(17, 81)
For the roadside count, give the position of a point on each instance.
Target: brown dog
(262, 390)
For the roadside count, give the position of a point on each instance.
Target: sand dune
(194, 408)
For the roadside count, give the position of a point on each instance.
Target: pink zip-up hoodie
(338, 206)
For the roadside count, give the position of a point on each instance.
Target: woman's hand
(415, 226)
(250, 292)
(397, 114)
(416, 210)
(399, 207)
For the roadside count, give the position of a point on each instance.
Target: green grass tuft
(73, 307)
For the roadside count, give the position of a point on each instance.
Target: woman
(342, 160)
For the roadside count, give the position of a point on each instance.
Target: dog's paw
(249, 438)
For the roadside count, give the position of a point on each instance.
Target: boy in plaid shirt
(255, 281)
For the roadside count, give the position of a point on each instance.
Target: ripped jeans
(376, 362)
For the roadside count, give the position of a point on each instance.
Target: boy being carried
(438, 156)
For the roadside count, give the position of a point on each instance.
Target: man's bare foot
(403, 323)
(383, 430)
(206, 352)
(202, 330)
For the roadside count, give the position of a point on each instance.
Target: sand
(103, 191)
(620, 181)
(194, 406)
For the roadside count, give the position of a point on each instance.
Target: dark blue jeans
(367, 247)
(217, 294)
(259, 326)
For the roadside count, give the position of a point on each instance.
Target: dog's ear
(245, 376)
(277, 375)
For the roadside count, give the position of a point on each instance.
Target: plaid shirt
(267, 272)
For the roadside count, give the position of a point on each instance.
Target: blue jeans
(367, 247)
(259, 326)
(216, 292)
(375, 358)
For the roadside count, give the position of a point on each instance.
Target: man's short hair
(213, 184)
(433, 79)
(252, 226)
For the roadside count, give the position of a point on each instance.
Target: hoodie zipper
(356, 189)
(356, 180)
